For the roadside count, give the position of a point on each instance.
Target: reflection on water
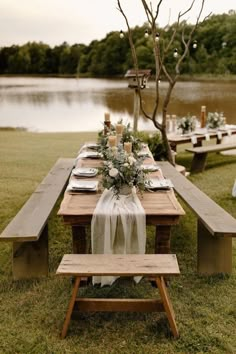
(55, 104)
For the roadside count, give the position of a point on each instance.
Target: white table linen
(118, 227)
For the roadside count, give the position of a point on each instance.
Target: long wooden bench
(28, 230)
(155, 265)
(215, 227)
(201, 152)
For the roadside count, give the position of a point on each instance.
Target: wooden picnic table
(177, 139)
(161, 207)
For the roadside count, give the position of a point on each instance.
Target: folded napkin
(118, 227)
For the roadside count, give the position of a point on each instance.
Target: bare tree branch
(160, 54)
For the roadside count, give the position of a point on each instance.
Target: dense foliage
(111, 56)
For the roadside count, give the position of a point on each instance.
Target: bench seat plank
(215, 226)
(200, 154)
(127, 265)
(211, 148)
(213, 216)
(28, 230)
(30, 221)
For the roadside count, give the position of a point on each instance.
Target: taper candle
(119, 128)
(203, 116)
(107, 117)
(128, 147)
(112, 141)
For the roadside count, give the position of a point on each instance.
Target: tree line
(213, 52)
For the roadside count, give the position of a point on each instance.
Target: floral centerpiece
(122, 170)
(215, 120)
(126, 135)
(187, 124)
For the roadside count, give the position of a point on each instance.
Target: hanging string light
(146, 34)
(176, 53)
(121, 34)
(224, 44)
(194, 44)
(157, 37)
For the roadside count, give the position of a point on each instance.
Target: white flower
(126, 164)
(113, 172)
(131, 160)
(114, 150)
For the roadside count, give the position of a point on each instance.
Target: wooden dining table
(199, 137)
(161, 207)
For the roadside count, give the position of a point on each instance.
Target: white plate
(82, 185)
(143, 154)
(157, 183)
(84, 172)
(89, 155)
(92, 146)
(150, 167)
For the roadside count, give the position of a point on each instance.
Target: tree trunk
(167, 147)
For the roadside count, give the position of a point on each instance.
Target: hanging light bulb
(224, 44)
(157, 37)
(175, 53)
(194, 44)
(146, 34)
(121, 34)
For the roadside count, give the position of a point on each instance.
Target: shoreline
(183, 78)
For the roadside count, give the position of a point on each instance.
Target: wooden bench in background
(201, 152)
(28, 230)
(155, 265)
(215, 227)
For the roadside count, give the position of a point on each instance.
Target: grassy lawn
(32, 312)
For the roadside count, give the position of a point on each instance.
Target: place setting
(158, 184)
(84, 172)
(78, 186)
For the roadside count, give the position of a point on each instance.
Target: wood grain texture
(113, 264)
(121, 265)
(29, 222)
(176, 140)
(211, 148)
(216, 220)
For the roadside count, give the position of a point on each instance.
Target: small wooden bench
(28, 230)
(215, 228)
(155, 265)
(201, 152)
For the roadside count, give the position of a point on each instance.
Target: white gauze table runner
(118, 227)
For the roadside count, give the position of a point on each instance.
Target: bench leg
(214, 253)
(198, 162)
(30, 259)
(167, 305)
(70, 308)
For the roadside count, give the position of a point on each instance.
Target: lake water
(63, 105)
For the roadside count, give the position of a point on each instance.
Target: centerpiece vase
(125, 189)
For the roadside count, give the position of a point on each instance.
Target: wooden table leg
(198, 162)
(198, 143)
(70, 308)
(79, 239)
(162, 243)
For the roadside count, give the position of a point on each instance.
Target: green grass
(32, 312)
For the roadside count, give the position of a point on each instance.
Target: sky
(82, 21)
